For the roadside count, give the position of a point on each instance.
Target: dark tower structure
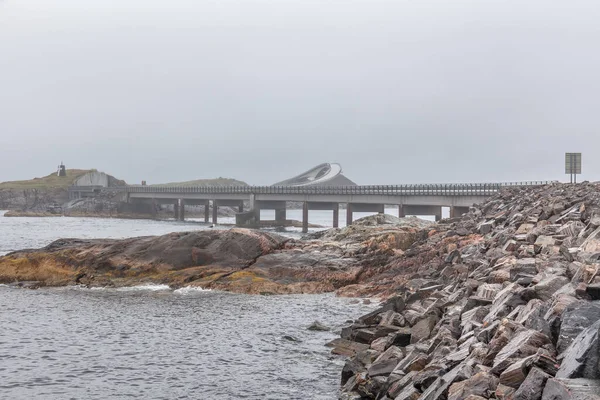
(62, 170)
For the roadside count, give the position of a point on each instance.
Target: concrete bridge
(424, 200)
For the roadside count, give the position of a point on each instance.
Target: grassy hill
(206, 182)
(47, 182)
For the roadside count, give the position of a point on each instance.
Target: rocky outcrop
(238, 260)
(501, 303)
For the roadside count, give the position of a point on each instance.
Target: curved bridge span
(421, 199)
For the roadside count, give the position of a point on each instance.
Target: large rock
(202, 257)
(532, 386)
(480, 384)
(523, 344)
(582, 358)
(422, 329)
(576, 318)
(547, 287)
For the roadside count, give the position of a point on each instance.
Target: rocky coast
(238, 260)
(502, 303)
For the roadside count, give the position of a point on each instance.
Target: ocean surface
(152, 342)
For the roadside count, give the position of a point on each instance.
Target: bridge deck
(475, 189)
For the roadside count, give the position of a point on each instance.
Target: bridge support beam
(336, 215)
(401, 211)
(215, 211)
(182, 209)
(176, 210)
(456, 211)
(348, 214)
(206, 212)
(305, 217)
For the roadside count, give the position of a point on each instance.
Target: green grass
(50, 181)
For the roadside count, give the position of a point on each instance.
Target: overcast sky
(396, 91)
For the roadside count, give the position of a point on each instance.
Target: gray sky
(396, 91)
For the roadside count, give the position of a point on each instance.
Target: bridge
(423, 200)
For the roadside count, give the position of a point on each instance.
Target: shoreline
(236, 259)
(473, 306)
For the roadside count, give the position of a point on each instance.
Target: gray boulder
(582, 358)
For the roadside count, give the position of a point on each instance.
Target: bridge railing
(469, 189)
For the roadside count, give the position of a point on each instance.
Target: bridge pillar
(215, 211)
(305, 217)
(348, 214)
(182, 209)
(336, 215)
(206, 213)
(241, 207)
(401, 211)
(176, 210)
(280, 216)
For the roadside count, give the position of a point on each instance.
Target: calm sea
(152, 342)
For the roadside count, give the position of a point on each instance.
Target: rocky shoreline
(501, 304)
(238, 260)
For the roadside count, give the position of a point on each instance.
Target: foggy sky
(260, 90)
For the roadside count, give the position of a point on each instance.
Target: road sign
(573, 165)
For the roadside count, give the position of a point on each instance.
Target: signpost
(573, 165)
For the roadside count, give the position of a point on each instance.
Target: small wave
(149, 287)
(190, 289)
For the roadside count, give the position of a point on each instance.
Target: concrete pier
(305, 217)
(176, 210)
(182, 209)
(206, 212)
(336, 215)
(215, 211)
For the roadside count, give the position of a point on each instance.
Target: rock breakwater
(503, 303)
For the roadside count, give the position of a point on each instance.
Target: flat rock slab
(346, 347)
